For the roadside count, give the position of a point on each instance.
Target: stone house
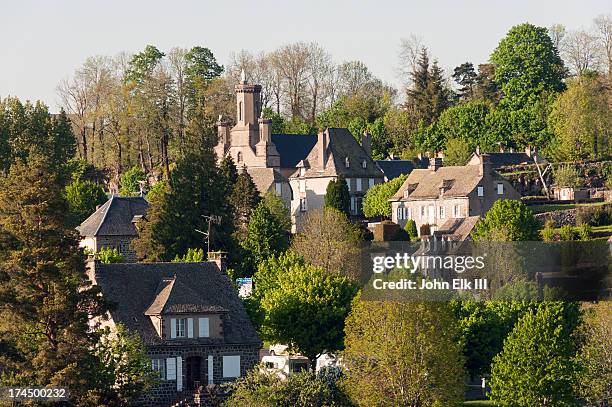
(296, 167)
(438, 194)
(190, 319)
(509, 158)
(112, 225)
(570, 193)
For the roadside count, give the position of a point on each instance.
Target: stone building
(296, 167)
(433, 196)
(112, 225)
(190, 319)
(509, 158)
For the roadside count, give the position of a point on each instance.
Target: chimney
(220, 259)
(529, 151)
(435, 163)
(478, 149)
(265, 129)
(322, 143)
(366, 143)
(223, 131)
(485, 165)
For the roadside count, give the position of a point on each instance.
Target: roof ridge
(110, 203)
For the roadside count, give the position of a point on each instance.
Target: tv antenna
(210, 219)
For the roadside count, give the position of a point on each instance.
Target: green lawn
(603, 229)
(486, 403)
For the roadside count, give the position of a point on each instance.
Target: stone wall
(559, 218)
(121, 243)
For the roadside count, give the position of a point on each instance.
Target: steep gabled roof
(457, 181)
(341, 144)
(263, 178)
(114, 218)
(141, 289)
(394, 168)
(292, 148)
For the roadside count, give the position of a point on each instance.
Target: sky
(43, 42)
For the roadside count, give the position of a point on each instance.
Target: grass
(482, 403)
(602, 229)
(560, 207)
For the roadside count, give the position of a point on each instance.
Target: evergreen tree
(416, 96)
(438, 92)
(337, 195)
(45, 298)
(465, 76)
(243, 199)
(265, 235)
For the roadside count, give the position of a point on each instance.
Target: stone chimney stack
(485, 165)
(529, 151)
(366, 143)
(265, 129)
(223, 131)
(220, 259)
(435, 163)
(322, 143)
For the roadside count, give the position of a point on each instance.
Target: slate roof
(292, 148)
(138, 289)
(458, 228)
(342, 144)
(114, 218)
(394, 168)
(457, 181)
(265, 177)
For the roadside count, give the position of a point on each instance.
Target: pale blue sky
(42, 42)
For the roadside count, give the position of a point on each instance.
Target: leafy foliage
(403, 353)
(456, 152)
(302, 305)
(510, 217)
(265, 235)
(192, 256)
(109, 255)
(568, 176)
(376, 201)
(536, 365)
(337, 195)
(130, 182)
(83, 197)
(411, 229)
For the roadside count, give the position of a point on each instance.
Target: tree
(83, 198)
(243, 199)
(580, 51)
(580, 119)
(512, 218)
(376, 201)
(465, 76)
(595, 354)
(403, 353)
(192, 256)
(265, 235)
(46, 300)
(329, 240)
(466, 122)
(457, 152)
(603, 24)
(130, 182)
(278, 209)
(267, 389)
(535, 366)
(125, 366)
(337, 195)
(411, 229)
(304, 306)
(568, 176)
(527, 64)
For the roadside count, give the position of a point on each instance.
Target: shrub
(107, 255)
(594, 215)
(568, 176)
(411, 229)
(566, 233)
(192, 256)
(548, 234)
(584, 231)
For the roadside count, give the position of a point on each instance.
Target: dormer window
(347, 162)
(364, 164)
(302, 171)
(239, 157)
(406, 193)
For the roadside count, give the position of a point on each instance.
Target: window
(480, 191)
(303, 205)
(203, 328)
(231, 366)
(500, 189)
(240, 118)
(181, 324)
(159, 366)
(423, 212)
(347, 162)
(408, 214)
(364, 164)
(352, 204)
(348, 184)
(400, 213)
(442, 212)
(359, 186)
(370, 183)
(406, 193)
(239, 157)
(457, 211)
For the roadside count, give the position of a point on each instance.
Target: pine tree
(265, 235)
(337, 195)
(438, 92)
(416, 96)
(243, 199)
(45, 298)
(465, 76)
